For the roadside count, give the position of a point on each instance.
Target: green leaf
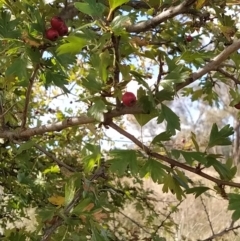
(91, 83)
(118, 24)
(170, 183)
(96, 235)
(164, 136)
(178, 75)
(123, 159)
(52, 169)
(181, 178)
(164, 95)
(190, 157)
(173, 121)
(74, 45)
(70, 189)
(25, 146)
(18, 68)
(234, 204)
(196, 57)
(143, 119)
(157, 238)
(223, 170)
(140, 79)
(90, 160)
(46, 214)
(220, 138)
(197, 190)
(194, 140)
(79, 209)
(97, 110)
(56, 78)
(236, 215)
(105, 61)
(155, 169)
(147, 103)
(91, 8)
(116, 3)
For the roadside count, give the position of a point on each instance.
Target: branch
(135, 222)
(212, 65)
(220, 234)
(230, 76)
(171, 161)
(167, 217)
(115, 41)
(163, 16)
(28, 96)
(52, 157)
(68, 122)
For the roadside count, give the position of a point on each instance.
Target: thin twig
(6, 111)
(167, 217)
(161, 17)
(206, 45)
(28, 96)
(220, 234)
(135, 222)
(207, 214)
(52, 157)
(115, 41)
(230, 76)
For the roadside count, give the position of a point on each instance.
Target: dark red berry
(63, 30)
(52, 34)
(189, 38)
(56, 22)
(129, 99)
(237, 106)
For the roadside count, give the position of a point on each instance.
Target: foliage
(52, 157)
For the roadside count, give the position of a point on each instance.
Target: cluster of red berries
(58, 28)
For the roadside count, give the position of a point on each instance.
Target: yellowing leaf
(89, 207)
(200, 4)
(227, 31)
(232, 2)
(31, 42)
(136, 41)
(188, 145)
(52, 169)
(56, 200)
(66, 172)
(83, 218)
(99, 216)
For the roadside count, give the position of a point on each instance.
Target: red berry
(63, 30)
(189, 38)
(237, 106)
(52, 34)
(56, 22)
(129, 99)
